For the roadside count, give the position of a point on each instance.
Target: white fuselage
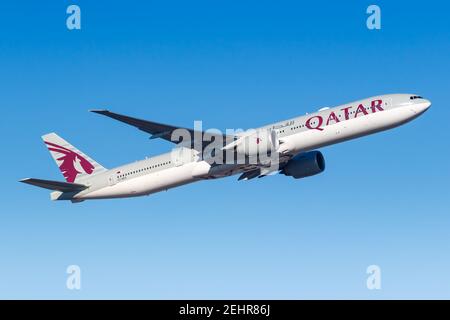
(301, 134)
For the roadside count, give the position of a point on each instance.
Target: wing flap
(248, 175)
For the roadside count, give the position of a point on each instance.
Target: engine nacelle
(258, 143)
(304, 165)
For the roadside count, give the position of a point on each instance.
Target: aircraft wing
(164, 131)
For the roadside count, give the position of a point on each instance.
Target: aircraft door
(181, 156)
(387, 103)
(177, 156)
(112, 180)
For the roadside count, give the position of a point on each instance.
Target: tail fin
(73, 164)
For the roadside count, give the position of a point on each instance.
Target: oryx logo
(70, 163)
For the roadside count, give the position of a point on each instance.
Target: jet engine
(304, 165)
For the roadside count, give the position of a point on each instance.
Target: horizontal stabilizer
(55, 185)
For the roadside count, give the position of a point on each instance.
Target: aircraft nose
(421, 107)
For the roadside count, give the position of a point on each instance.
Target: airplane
(290, 148)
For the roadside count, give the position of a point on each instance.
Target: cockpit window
(415, 97)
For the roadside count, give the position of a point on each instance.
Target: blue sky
(382, 200)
